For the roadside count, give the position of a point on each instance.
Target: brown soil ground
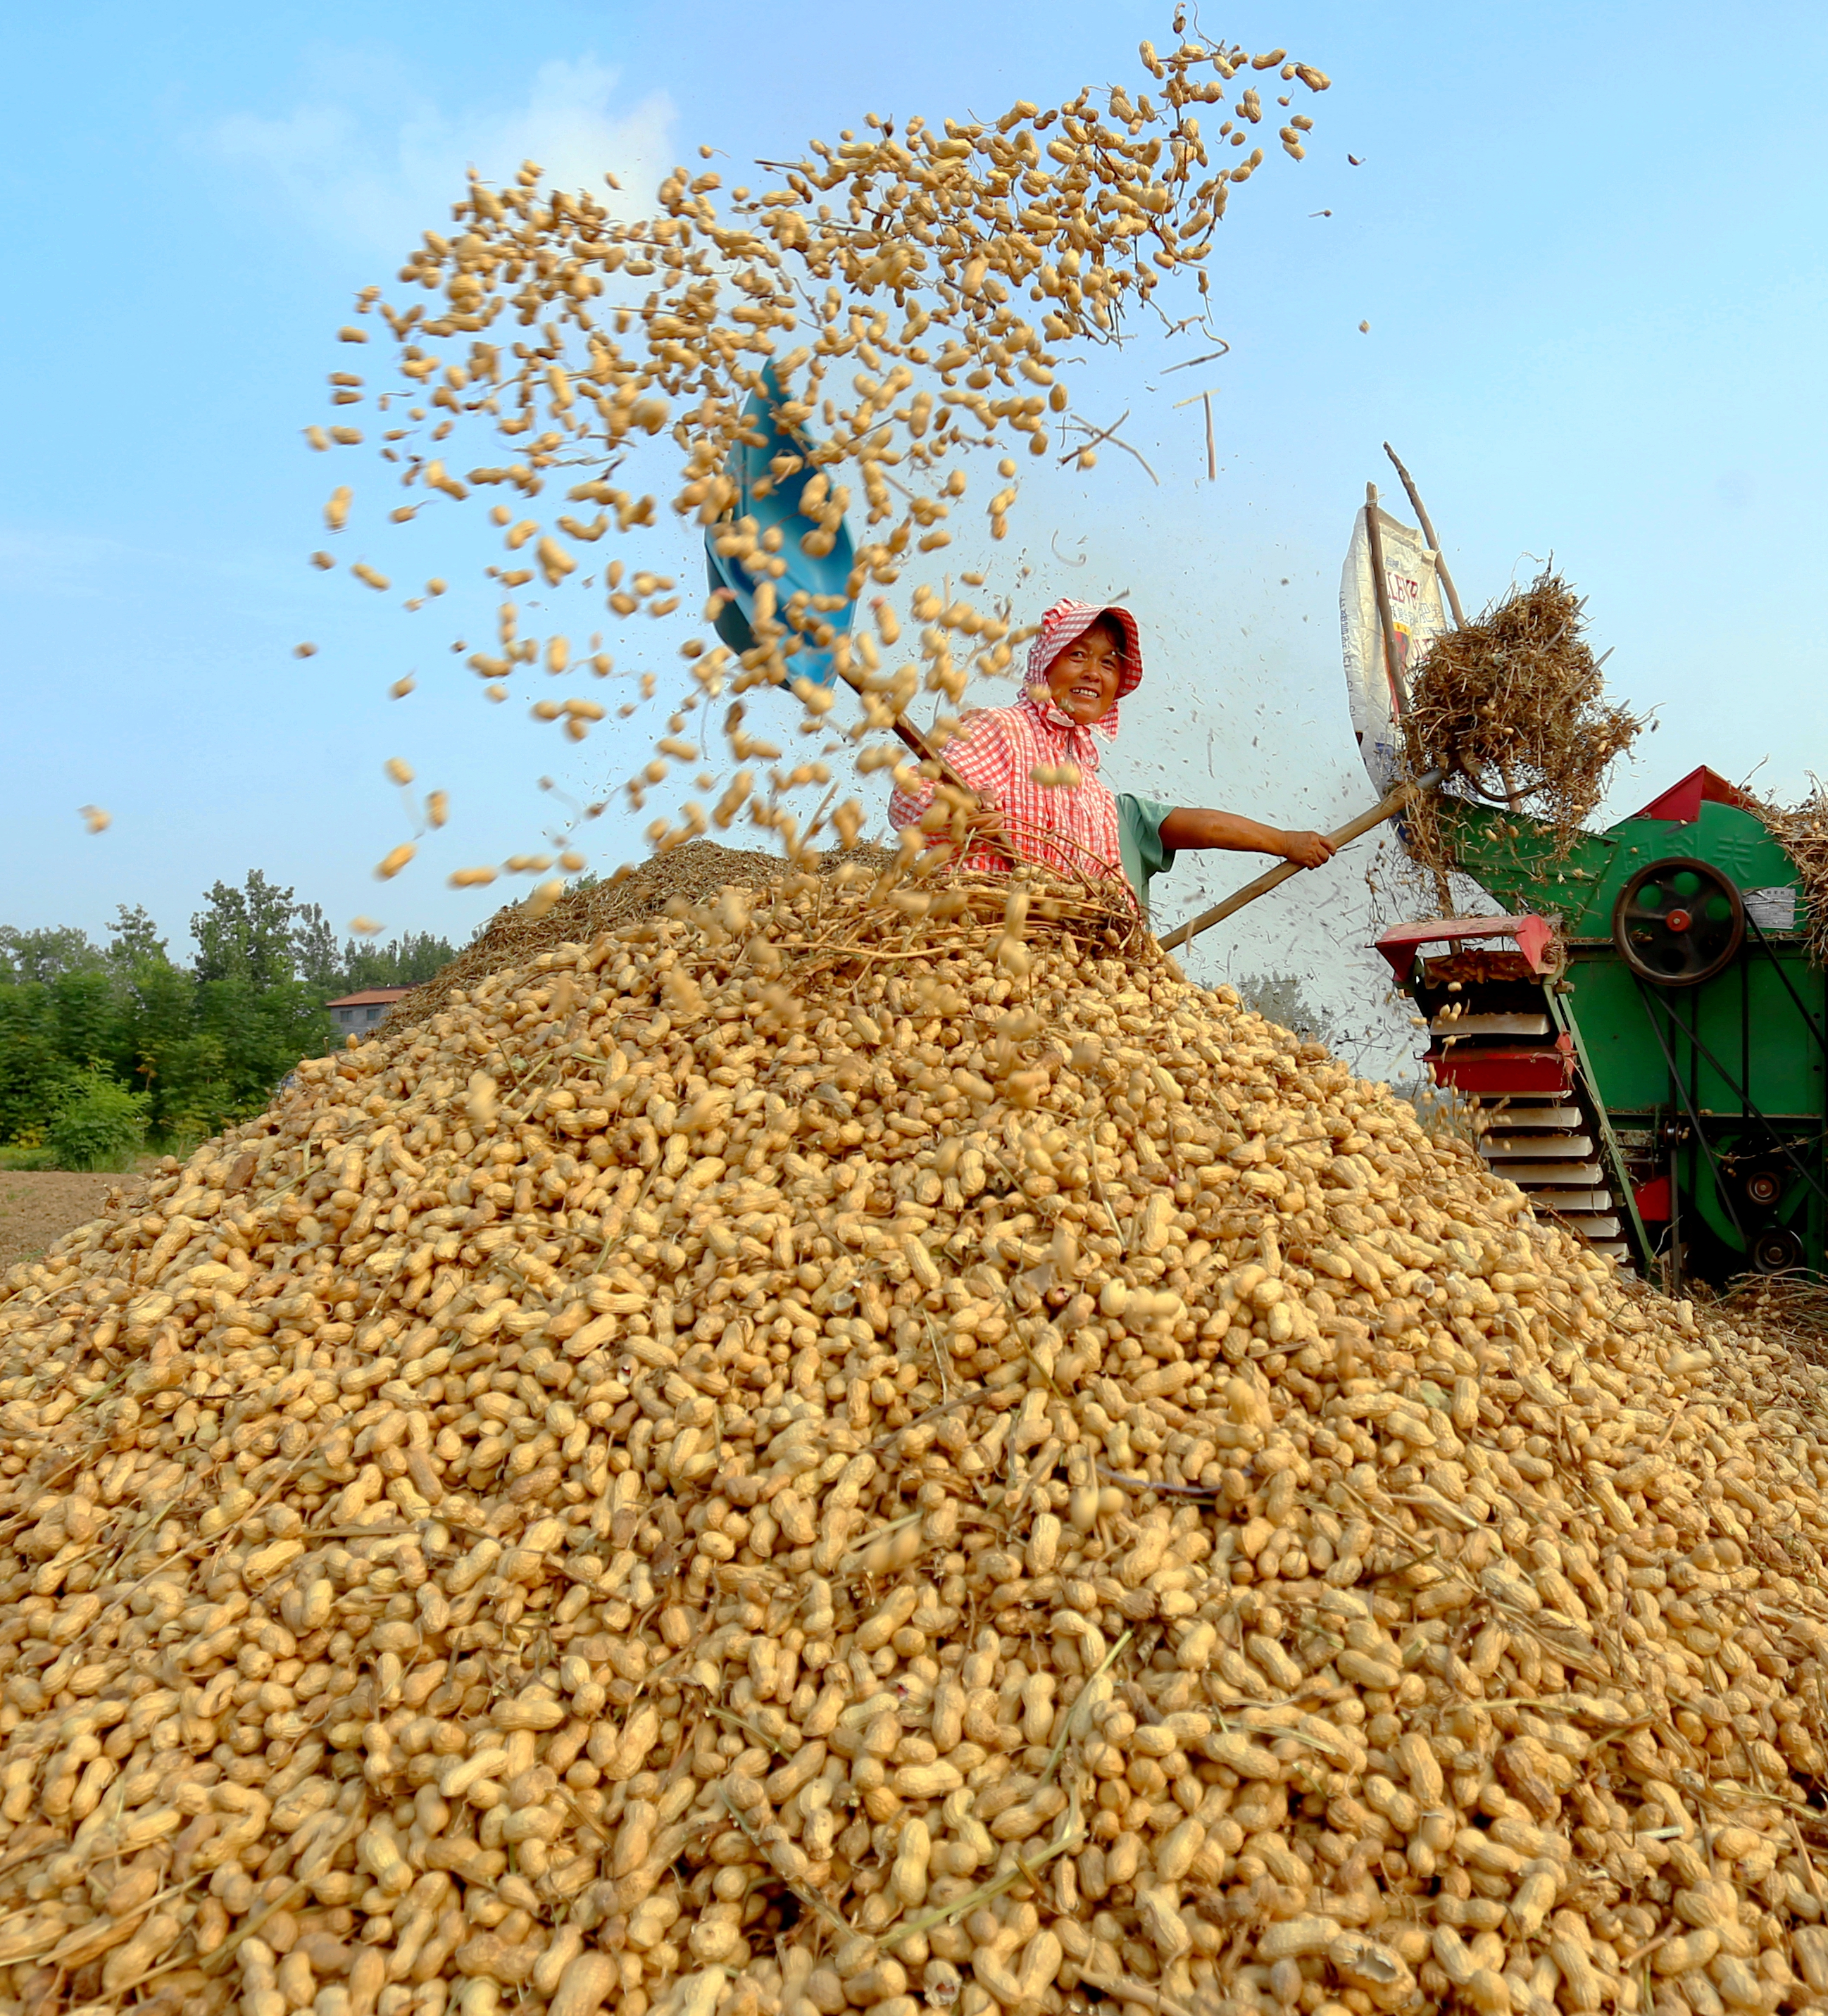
(39, 1205)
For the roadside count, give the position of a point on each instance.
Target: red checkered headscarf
(1066, 622)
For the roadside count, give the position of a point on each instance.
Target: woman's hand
(978, 822)
(1305, 850)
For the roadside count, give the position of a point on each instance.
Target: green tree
(316, 958)
(85, 1004)
(135, 937)
(246, 934)
(1281, 998)
(243, 1041)
(27, 956)
(158, 1022)
(96, 1045)
(190, 1095)
(100, 1125)
(35, 1078)
(406, 961)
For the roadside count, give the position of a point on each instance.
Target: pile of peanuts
(826, 1455)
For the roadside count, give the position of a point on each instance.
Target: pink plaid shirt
(1072, 828)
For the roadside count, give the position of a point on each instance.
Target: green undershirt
(1139, 841)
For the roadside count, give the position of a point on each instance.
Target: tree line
(104, 1046)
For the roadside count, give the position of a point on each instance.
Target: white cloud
(368, 162)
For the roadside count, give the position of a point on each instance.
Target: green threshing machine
(1644, 1028)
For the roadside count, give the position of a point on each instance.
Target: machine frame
(1705, 1073)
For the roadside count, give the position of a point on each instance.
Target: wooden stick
(910, 736)
(1453, 596)
(1386, 622)
(1386, 807)
(1211, 454)
(912, 739)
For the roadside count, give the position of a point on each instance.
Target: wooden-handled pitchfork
(1388, 807)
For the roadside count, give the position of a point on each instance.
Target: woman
(1035, 768)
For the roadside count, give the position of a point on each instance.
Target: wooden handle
(1399, 691)
(1453, 594)
(909, 736)
(917, 744)
(1391, 803)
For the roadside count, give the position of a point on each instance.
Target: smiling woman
(1034, 768)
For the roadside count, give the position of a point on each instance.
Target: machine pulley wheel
(1776, 1252)
(1763, 1188)
(1679, 923)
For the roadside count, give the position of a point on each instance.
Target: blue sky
(1587, 241)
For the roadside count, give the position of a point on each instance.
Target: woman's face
(1083, 679)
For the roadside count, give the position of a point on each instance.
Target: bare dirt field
(37, 1206)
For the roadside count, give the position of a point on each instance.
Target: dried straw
(1514, 705)
(1801, 831)
(1794, 1306)
(685, 875)
(1100, 912)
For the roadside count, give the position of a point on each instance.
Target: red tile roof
(368, 996)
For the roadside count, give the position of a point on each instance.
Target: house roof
(368, 996)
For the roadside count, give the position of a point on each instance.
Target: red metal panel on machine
(1493, 1072)
(1682, 803)
(1400, 944)
(1652, 1200)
